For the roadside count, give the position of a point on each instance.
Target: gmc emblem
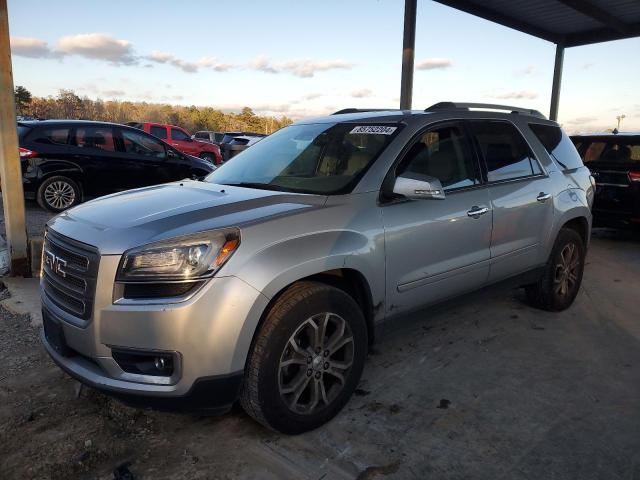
(55, 263)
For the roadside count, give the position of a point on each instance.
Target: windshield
(323, 158)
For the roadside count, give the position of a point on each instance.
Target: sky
(304, 58)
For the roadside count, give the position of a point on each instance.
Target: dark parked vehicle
(67, 161)
(614, 161)
(208, 136)
(179, 138)
(235, 142)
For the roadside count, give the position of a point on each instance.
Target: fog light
(144, 363)
(160, 363)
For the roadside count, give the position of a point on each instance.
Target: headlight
(184, 258)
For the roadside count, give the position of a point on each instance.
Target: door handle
(476, 211)
(543, 197)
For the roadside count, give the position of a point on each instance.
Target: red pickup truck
(180, 139)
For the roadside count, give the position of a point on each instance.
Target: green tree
(23, 99)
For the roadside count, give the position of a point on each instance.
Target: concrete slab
(24, 298)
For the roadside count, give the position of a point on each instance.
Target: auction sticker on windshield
(374, 129)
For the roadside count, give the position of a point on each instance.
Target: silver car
(268, 281)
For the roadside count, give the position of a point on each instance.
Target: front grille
(69, 271)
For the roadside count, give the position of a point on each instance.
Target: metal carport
(567, 23)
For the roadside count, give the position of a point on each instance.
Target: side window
(505, 151)
(443, 153)
(142, 144)
(177, 134)
(52, 136)
(160, 132)
(204, 135)
(95, 138)
(557, 145)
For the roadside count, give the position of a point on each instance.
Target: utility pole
(10, 169)
(620, 118)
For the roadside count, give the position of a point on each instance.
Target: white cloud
(516, 94)
(361, 93)
(526, 71)
(30, 47)
(187, 66)
(304, 68)
(434, 64)
(98, 46)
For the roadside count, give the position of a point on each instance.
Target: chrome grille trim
(71, 283)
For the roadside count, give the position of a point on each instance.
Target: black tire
(68, 194)
(547, 293)
(262, 396)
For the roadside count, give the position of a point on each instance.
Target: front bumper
(210, 334)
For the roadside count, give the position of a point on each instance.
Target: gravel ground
(36, 218)
(487, 389)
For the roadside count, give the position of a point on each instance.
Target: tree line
(68, 105)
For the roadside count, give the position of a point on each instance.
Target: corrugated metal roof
(568, 22)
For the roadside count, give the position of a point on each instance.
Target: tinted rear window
(22, 131)
(622, 150)
(557, 145)
(505, 151)
(51, 136)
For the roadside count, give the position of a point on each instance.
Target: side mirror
(418, 187)
(171, 153)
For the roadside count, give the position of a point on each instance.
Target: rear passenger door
(521, 198)
(93, 147)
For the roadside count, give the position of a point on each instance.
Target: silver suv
(268, 281)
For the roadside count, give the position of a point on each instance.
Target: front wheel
(559, 284)
(306, 360)
(58, 193)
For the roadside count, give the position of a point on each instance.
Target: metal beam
(557, 80)
(600, 35)
(596, 13)
(495, 16)
(408, 54)
(10, 169)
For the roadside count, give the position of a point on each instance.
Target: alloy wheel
(567, 270)
(59, 195)
(315, 363)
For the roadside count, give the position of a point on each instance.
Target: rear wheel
(58, 193)
(558, 286)
(306, 360)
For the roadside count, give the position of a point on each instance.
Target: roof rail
(483, 106)
(362, 110)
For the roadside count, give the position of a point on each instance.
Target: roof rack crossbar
(482, 106)
(362, 110)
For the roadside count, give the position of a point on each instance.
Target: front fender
(278, 265)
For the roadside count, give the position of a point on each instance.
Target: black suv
(614, 161)
(67, 161)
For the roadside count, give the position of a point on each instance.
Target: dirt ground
(488, 389)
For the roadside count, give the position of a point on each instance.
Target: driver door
(438, 248)
(183, 142)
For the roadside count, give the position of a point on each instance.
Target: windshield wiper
(261, 186)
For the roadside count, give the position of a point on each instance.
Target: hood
(125, 220)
